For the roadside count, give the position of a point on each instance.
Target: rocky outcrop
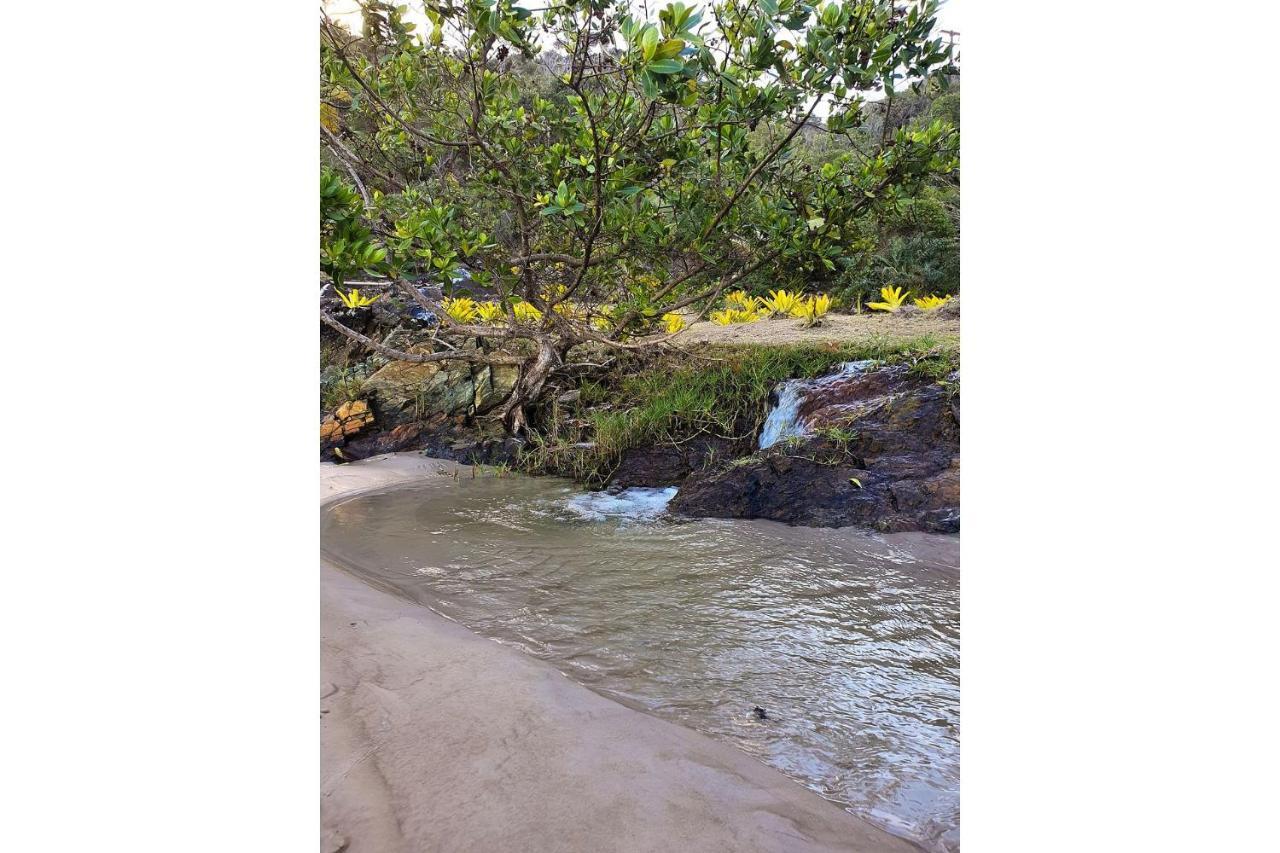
(405, 392)
(347, 420)
(877, 448)
(431, 407)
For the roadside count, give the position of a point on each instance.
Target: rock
(893, 465)
(402, 437)
(668, 465)
(347, 420)
(405, 391)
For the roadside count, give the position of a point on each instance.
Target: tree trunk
(533, 376)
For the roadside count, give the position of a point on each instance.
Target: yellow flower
(355, 300)
(460, 310)
(893, 298)
(673, 323)
(931, 303)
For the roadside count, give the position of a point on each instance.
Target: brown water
(849, 640)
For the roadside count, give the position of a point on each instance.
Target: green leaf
(669, 48)
(666, 66)
(649, 43)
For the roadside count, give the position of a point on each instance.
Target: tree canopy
(595, 168)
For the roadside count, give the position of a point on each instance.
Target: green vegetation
(597, 165)
(670, 399)
(338, 386)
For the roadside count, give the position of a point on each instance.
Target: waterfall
(783, 420)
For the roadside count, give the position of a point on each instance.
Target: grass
(670, 399)
(340, 386)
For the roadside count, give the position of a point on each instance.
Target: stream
(848, 640)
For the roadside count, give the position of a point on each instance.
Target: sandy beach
(436, 739)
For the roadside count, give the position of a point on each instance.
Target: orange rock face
(348, 420)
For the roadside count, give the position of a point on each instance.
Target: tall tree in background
(596, 169)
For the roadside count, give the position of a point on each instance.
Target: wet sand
(435, 739)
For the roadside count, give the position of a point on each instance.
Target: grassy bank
(718, 391)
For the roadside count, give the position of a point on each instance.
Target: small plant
(893, 298)
(355, 299)
(931, 303)
(460, 310)
(837, 434)
(344, 388)
(673, 323)
(740, 300)
(780, 302)
(729, 316)
(813, 309)
(932, 366)
(489, 312)
(526, 312)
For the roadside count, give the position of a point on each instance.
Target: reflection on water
(849, 640)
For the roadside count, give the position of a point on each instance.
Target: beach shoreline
(434, 738)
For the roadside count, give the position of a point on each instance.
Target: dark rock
(895, 467)
(668, 465)
(402, 437)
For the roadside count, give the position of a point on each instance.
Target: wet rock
(471, 444)
(884, 454)
(668, 465)
(402, 437)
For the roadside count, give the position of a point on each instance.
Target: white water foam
(635, 503)
(783, 420)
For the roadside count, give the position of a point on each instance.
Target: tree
(648, 171)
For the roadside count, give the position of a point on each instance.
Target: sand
(435, 739)
(835, 328)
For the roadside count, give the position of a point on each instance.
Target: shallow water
(849, 640)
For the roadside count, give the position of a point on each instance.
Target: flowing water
(783, 420)
(848, 640)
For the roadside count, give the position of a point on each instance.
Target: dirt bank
(434, 739)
